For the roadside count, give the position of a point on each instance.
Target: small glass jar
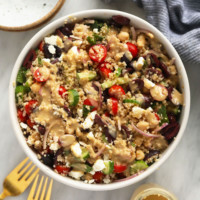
(152, 192)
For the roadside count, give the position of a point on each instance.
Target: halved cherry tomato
(157, 117)
(41, 75)
(114, 106)
(116, 91)
(104, 70)
(30, 123)
(62, 169)
(119, 168)
(21, 116)
(41, 45)
(98, 53)
(87, 102)
(98, 176)
(30, 106)
(133, 49)
(62, 91)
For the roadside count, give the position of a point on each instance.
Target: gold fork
(19, 179)
(33, 196)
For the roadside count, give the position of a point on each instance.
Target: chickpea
(123, 36)
(159, 92)
(140, 155)
(143, 125)
(141, 41)
(35, 87)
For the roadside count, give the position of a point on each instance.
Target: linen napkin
(179, 21)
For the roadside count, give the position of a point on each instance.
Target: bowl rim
(103, 13)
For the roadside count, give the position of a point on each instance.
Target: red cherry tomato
(30, 123)
(62, 91)
(98, 176)
(62, 169)
(87, 102)
(41, 75)
(133, 49)
(41, 45)
(21, 116)
(114, 106)
(119, 168)
(98, 53)
(116, 91)
(30, 106)
(157, 117)
(104, 70)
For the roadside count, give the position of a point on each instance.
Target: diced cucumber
(82, 167)
(131, 101)
(162, 112)
(109, 167)
(138, 166)
(29, 82)
(104, 139)
(39, 61)
(86, 110)
(85, 154)
(86, 76)
(109, 83)
(118, 72)
(73, 97)
(21, 76)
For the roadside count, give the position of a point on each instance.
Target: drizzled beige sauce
(44, 115)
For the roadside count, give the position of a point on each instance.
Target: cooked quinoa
(99, 100)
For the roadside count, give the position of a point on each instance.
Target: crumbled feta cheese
(55, 138)
(46, 61)
(76, 174)
(76, 149)
(80, 112)
(106, 180)
(67, 163)
(148, 84)
(54, 146)
(98, 165)
(89, 121)
(52, 49)
(90, 135)
(74, 49)
(137, 112)
(95, 30)
(91, 181)
(139, 63)
(24, 126)
(92, 172)
(35, 128)
(51, 40)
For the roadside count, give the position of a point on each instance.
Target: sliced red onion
(161, 127)
(74, 37)
(100, 93)
(47, 133)
(40, 90)
(130, 177)
(100, 151)
(133, 32)
(32, 69)
(146, 32)
(151, 52)
(143, 133)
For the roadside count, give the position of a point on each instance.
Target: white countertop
(180, 173)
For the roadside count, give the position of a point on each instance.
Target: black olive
(48, 159)
(47, 54)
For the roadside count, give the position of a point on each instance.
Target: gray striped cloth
(179, 21)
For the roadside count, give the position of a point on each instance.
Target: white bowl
(138, 23)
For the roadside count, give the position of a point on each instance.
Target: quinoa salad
(99, 100)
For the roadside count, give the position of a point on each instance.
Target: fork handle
(4, 194)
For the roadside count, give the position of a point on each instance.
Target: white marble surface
(180, 174)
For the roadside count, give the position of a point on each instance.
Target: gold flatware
(19, 179)
(33, 196)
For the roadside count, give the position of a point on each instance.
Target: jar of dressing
(152, 192)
